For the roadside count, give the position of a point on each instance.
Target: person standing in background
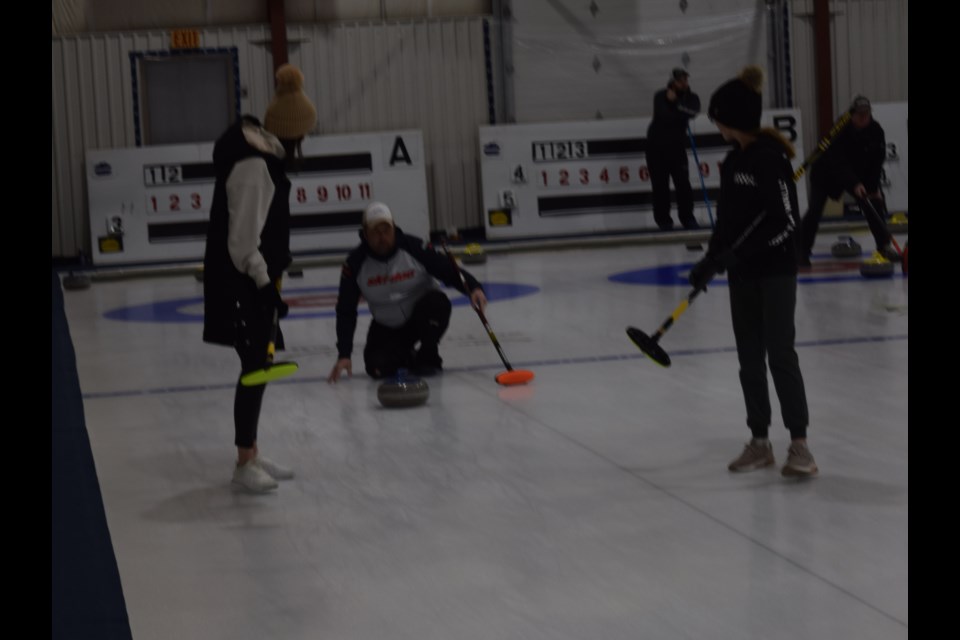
(673, 108)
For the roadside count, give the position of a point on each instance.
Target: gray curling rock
(473, 254)
(76, 282)
(846, 247)
(872, 269)
(411, 392)
(475, 258)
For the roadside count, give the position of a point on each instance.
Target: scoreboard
(892, 116)
(573, 178)
(152, 204)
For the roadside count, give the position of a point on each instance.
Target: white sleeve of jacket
(249, 193)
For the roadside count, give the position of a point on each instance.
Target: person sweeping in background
(754, 241)
(853, 163)
(247, 251)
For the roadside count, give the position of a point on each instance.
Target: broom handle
(493, 338)
(272, 342)
(703, 185)
(483, 318)
(876, 214)
(676, 314)
(823, 145)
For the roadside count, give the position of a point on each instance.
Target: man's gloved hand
(268, 297)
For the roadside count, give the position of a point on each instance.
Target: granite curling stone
(876, 266)
(403, 391)
(846, 247)
(473, 253)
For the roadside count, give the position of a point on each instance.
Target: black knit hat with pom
(737, 103)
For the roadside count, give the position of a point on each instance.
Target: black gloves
(704, 271)
(268, 299)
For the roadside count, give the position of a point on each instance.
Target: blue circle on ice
(307, 302)
(831, 270)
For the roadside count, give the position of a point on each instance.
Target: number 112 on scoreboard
(162, 174)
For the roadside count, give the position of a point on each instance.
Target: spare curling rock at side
(403, 391)
(876, 266)
(898, 222)
(473, 253)
(846, 247)
(76, 282)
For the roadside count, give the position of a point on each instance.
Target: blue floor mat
(87, 595)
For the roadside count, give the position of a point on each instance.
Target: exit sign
(185, 39)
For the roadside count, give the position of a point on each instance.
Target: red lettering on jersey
(384, 279)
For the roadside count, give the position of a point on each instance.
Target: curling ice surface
(592, 503)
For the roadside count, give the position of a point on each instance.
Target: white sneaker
(252, 477)
(273, 469)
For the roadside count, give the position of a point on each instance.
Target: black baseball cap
(680, 72)
(861, 104)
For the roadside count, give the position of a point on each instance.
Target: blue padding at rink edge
(87, 596)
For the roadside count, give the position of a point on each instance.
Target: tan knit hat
(290, 115)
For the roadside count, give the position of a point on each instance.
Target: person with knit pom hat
(290, 115)
(247, 251)
(755, 242)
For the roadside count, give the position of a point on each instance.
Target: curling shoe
(251, 477)
(800, 462)
(274, 470)
(756, 455)
(427, 361)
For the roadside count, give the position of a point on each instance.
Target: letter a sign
(399, 153)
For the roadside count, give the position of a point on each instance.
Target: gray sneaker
(800, 462)
(274, 470)
(253, 478)
(755, 456)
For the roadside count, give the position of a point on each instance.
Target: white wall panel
(425, 74)
(577, 60)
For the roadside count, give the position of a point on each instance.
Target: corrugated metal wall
(869, 48)
(428, 74)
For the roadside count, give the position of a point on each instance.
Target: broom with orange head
(511, 376)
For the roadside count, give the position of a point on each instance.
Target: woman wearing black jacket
(247, 251)
(754, 241)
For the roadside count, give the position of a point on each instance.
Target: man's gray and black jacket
(391, 284)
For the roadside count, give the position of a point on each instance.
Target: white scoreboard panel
(591, 177)
(892, 116)
(152, 204)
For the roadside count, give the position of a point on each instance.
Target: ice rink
(593, 503)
